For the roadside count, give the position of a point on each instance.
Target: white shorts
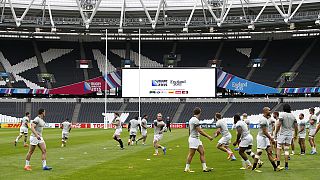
(133, 133)
(34, 141)
(283, 139)
(302, 136)
(225, 139)
(144, 132)
(117, 132)
(246, 141)
(157, 137)
(262, 142)
(23, 130)
(194, 143)
(312, 132)
(65, 135)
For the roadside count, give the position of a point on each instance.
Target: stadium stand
(249, 108)
(92, 112)
(14, 109)
(56, 112)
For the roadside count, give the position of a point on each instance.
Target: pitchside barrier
(102, 125)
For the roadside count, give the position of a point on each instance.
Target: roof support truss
(16, 19)
(88, 19)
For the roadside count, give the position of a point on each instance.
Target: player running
(263, 142)
(24, 130)
(194, 141)
(118, 126)
(244, 139)
(302, 134)
(312, 130)
(36, 139)
(276, 122)
(223, 143)
(144, 127)
(133, 129)
(286, 122)
(66, 128)
(159, 129)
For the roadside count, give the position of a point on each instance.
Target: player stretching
(159, 128)
(302, 134)
(118, 126)
(23, 130)
(194, 141)
(66, 128)
(312, 130)
(263, 141)
(144, 127)
(286, 122)
(244, 139)
(36, 139)
(223, 143)
(133, 129)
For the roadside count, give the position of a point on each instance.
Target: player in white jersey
(276, 122)
(118, 126)
(287, 122)
(312, 130)
(133, 127)
(144, 127)
(263, 141)
(24, 130)
(194, 141)
(159, 129)
(66, 128)
(36, 139)
(244, 139)
(223, 143)
(302, 134)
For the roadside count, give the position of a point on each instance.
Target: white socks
(27, 163)
(204, 166)
(187, 167)
(44, 163)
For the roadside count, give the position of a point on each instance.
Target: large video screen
(169, 82)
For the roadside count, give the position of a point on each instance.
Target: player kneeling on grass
(23, 130)
(159, 128)
(263, 141)
(244, 139)
(36, 139)
(133, 129)
(286, 122)
(144, 127)
(194, 141)
(66, 128)
(223, 143)
(118, 126)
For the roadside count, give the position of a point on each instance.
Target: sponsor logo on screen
(178, 82)
(159, 82)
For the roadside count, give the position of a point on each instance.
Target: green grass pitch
(93, 154)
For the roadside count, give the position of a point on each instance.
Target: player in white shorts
(276, 122)
(312, 130)
(263, 141)
(36, 139)
(133, 129)
(223, 143)
(302, 134)
(144, 127)
(287, 121)
(194, 141)
(159, 129)
(24, 130)
(244, 139)
(118, 126)
(66, 128)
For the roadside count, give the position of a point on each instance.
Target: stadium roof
(182, 15)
